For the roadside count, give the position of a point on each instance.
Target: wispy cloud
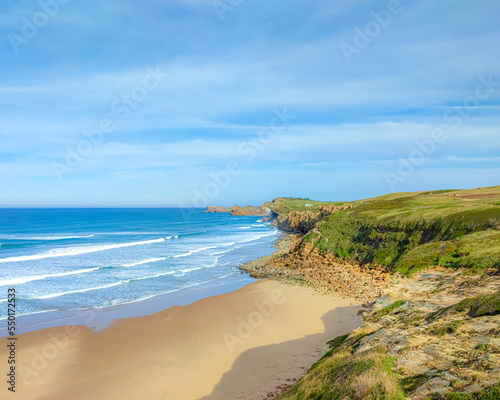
(225, 78)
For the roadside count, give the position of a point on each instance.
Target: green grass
(490, 393)
(407, 232)
(478, 306)
(475, 251)
(285, 205)
(445, 329)
(481, 305)
(410, 383)
(342, 375)
(374, 317)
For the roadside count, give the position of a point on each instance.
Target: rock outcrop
(440, 346)
(304, 221)
(312, 267)
(438, 333)
(250, 210)
(215, 209)
(236, 210)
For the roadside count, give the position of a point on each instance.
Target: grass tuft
(374, 317)
(343, 375)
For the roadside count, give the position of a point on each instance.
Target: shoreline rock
(298, 264)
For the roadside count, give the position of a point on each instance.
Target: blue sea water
(74, 259)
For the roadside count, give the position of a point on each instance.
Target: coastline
(230, 279)
(101, 318)
(59, 358)
(217, 342)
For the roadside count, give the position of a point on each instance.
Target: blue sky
(197, 102)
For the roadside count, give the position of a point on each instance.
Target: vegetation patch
(490, 393)
(374, 317)
(334, 345)
(445, 329)
(367, 375)
(481, 305)
(410, 383)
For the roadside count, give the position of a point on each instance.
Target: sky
(195, 102)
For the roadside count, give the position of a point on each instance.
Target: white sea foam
(32, 313)
(51, 296)
(252, 238)
(170, 291)
(248, 239)
(149, 260)
(26, 279)
(245, 227)
(183, 272)
(152, 276)
(73, 251)
(190, 252)
(21, 237)
(223, 252)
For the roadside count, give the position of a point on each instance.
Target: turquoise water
(74, 259)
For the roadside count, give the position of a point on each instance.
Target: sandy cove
(239, 345)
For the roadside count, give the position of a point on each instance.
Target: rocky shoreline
(296, 263)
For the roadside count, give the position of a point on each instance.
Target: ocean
(79, 259)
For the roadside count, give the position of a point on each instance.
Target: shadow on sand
(256, 370)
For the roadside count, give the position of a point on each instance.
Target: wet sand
(238, 345)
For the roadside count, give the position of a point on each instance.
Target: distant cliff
(215, 209)
(236, 210)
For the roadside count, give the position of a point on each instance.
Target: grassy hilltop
(410, 231)
(434, 334)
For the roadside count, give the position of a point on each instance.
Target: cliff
(236, 210)
(215, 209)
(429, 263)
(304, 221)
(403, 232)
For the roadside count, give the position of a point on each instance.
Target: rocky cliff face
(304, 221)
(314, 267)
(301, 263)
(444, 329)
(250, 210)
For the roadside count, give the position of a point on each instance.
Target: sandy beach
(239, 345)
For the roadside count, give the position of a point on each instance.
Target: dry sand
(239, 345)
